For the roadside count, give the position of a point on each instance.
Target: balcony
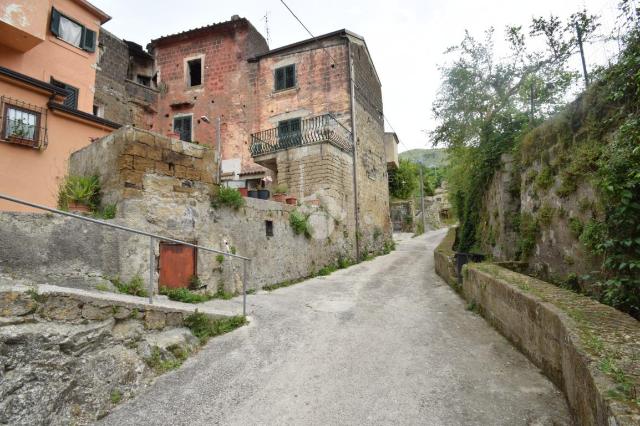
(298, 133)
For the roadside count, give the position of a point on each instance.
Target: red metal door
(177, 265)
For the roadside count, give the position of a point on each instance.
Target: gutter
(83, 115)
(34, 82)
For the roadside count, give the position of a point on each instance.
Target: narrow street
(382, 342)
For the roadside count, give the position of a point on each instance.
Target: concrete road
(382, 342)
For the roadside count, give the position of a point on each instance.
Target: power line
(378, 108)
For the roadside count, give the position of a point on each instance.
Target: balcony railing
(323, 128)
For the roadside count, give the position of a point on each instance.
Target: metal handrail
(151, 245)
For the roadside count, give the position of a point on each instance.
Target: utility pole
(422, 197)
(584, 63)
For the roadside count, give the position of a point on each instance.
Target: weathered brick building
(291, 113)
(315, 98)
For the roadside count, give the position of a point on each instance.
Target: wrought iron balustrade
(323, 128)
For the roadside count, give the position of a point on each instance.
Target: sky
(407, 38)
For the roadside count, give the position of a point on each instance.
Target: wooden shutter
(88, 40)
(55, 22)
(290, 75)
(280, 79)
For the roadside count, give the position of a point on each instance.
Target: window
(182, 126)
(72, 32)
(289, 132)
(71, 100)
(98, 111)
(194, 72)
(144, 80)
(269, 227)
(21, 125)
(285, 77)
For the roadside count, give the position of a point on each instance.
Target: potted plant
(80, 194)
(244, 191)
(280, 192)
(263, 193)
(292, 200)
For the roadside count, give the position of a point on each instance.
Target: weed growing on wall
(135, 286)
(300, 223)
(229, 197)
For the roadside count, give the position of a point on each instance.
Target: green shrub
(185, 295)
(389, 246)
(327, 270)
(79, 189)
(194, 282)
(205, 327)
(344, 262)
(229, 197)
(593, 236)
(528, 234)
(220, 258)
(545, 179)
(575, 226)
(545, 215)
(300, 223)
(135, 286)
(106, 212)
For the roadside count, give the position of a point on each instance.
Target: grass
(159, 365)
(116, 396)
(35, 296)
(185, 295)
(327, 270)
(204, 327)
(135, 286)
(286, 283)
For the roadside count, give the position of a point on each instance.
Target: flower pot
(292, 200)
(243, 191)
(76, 207)
(252, 193)
(279, 197)
(315, 202)
(263, 194)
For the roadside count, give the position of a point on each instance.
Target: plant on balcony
(229, 197)
(300, 223)
(280, 192)
(79, 194)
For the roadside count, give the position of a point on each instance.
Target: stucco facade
(33, 62)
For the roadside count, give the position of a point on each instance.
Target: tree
(485, 102)
(404, 180)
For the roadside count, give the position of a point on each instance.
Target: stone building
(289, 114)
(126, 91)
(314, 98)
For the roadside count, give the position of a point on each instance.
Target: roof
(232, 23)
(339, 33)
(84, 115)
(91, 8)
(54, 90)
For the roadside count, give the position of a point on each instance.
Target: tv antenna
(265, 18)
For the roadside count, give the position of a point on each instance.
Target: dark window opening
(144, 80)
(289, 132)
(98, 111)
(182, 126)
(71, 100)
(269, 227)
(195, 72)
(285, 77)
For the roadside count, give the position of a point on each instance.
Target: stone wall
(403, 215)
(122, 100)
(68, 357)
(587, 349)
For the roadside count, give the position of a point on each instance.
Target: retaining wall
(589, 350)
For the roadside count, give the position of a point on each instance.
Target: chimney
(235, 17)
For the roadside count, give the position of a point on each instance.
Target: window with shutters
(72, 32)
(182, 126)
(285, 77)
(71, 100)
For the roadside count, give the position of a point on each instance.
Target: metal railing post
(152, 259)
(244, 288)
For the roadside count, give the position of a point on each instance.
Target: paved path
(382, 342)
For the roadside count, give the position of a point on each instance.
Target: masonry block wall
(225, 90)
(123, 159)
(122, 100)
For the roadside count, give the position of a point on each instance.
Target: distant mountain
(429, 157)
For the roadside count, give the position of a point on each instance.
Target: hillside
(430, 157)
